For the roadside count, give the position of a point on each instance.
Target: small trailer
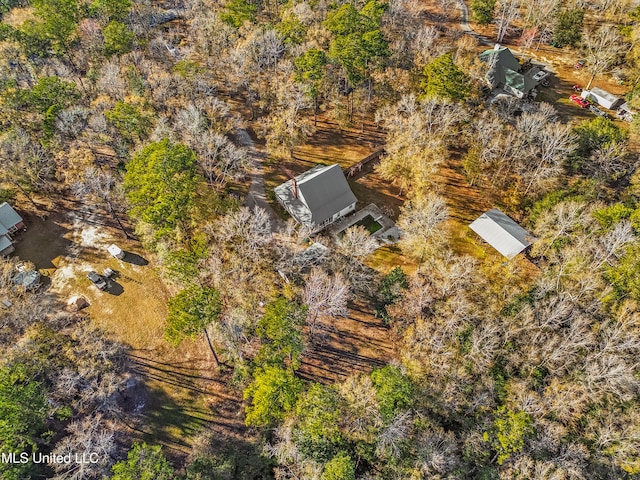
(116, 251)
(602, 98)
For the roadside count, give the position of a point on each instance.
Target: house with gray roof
(502, 233)
(317, 197)
(10, 222)
(506, 73)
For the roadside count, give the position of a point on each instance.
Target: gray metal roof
(501, 56)
(604, 94)
(4, 243)
(505, 70)
(502, 233)
(8, 216)
(323, 191)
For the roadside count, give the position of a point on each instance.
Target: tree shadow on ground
(167, 419)
(43, 241)
(347, 346)
(190, 410)
(230, 458)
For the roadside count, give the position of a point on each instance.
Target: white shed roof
(502, 233)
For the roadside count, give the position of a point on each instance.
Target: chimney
(294, 187)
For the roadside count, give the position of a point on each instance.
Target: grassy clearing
(133, 309)
(386, 258)
(174, 402)
(174, 416)
(464, 241)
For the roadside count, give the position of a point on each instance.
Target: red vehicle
(579, 100)
(579, 64)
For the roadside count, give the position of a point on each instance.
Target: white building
(602, 97)
(502, 233)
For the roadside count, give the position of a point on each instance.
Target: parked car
(580, 63)
(540, 75)
(577, 88)
(98, 280)
(579, 100)
(597, 111)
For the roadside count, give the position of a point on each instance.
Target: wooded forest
(163, 120)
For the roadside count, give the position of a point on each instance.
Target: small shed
(502, 233)
(603, 98)
(116, 251)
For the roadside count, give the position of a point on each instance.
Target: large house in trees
(502, 233)
(506, 73)
(10, 222)
(317, 197)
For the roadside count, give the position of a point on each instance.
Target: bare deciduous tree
(325, 296)
(102, 185)
(25, 163)
(610, 162)
(220, 159)
(421, 221)
(554, 143)
(247, 232)
(88, 436)
(357, 242)
(72, 121)
(191, 123)
(603, 48)
(507, 11)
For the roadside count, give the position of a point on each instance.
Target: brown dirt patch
(44, 240)
(347, 146)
